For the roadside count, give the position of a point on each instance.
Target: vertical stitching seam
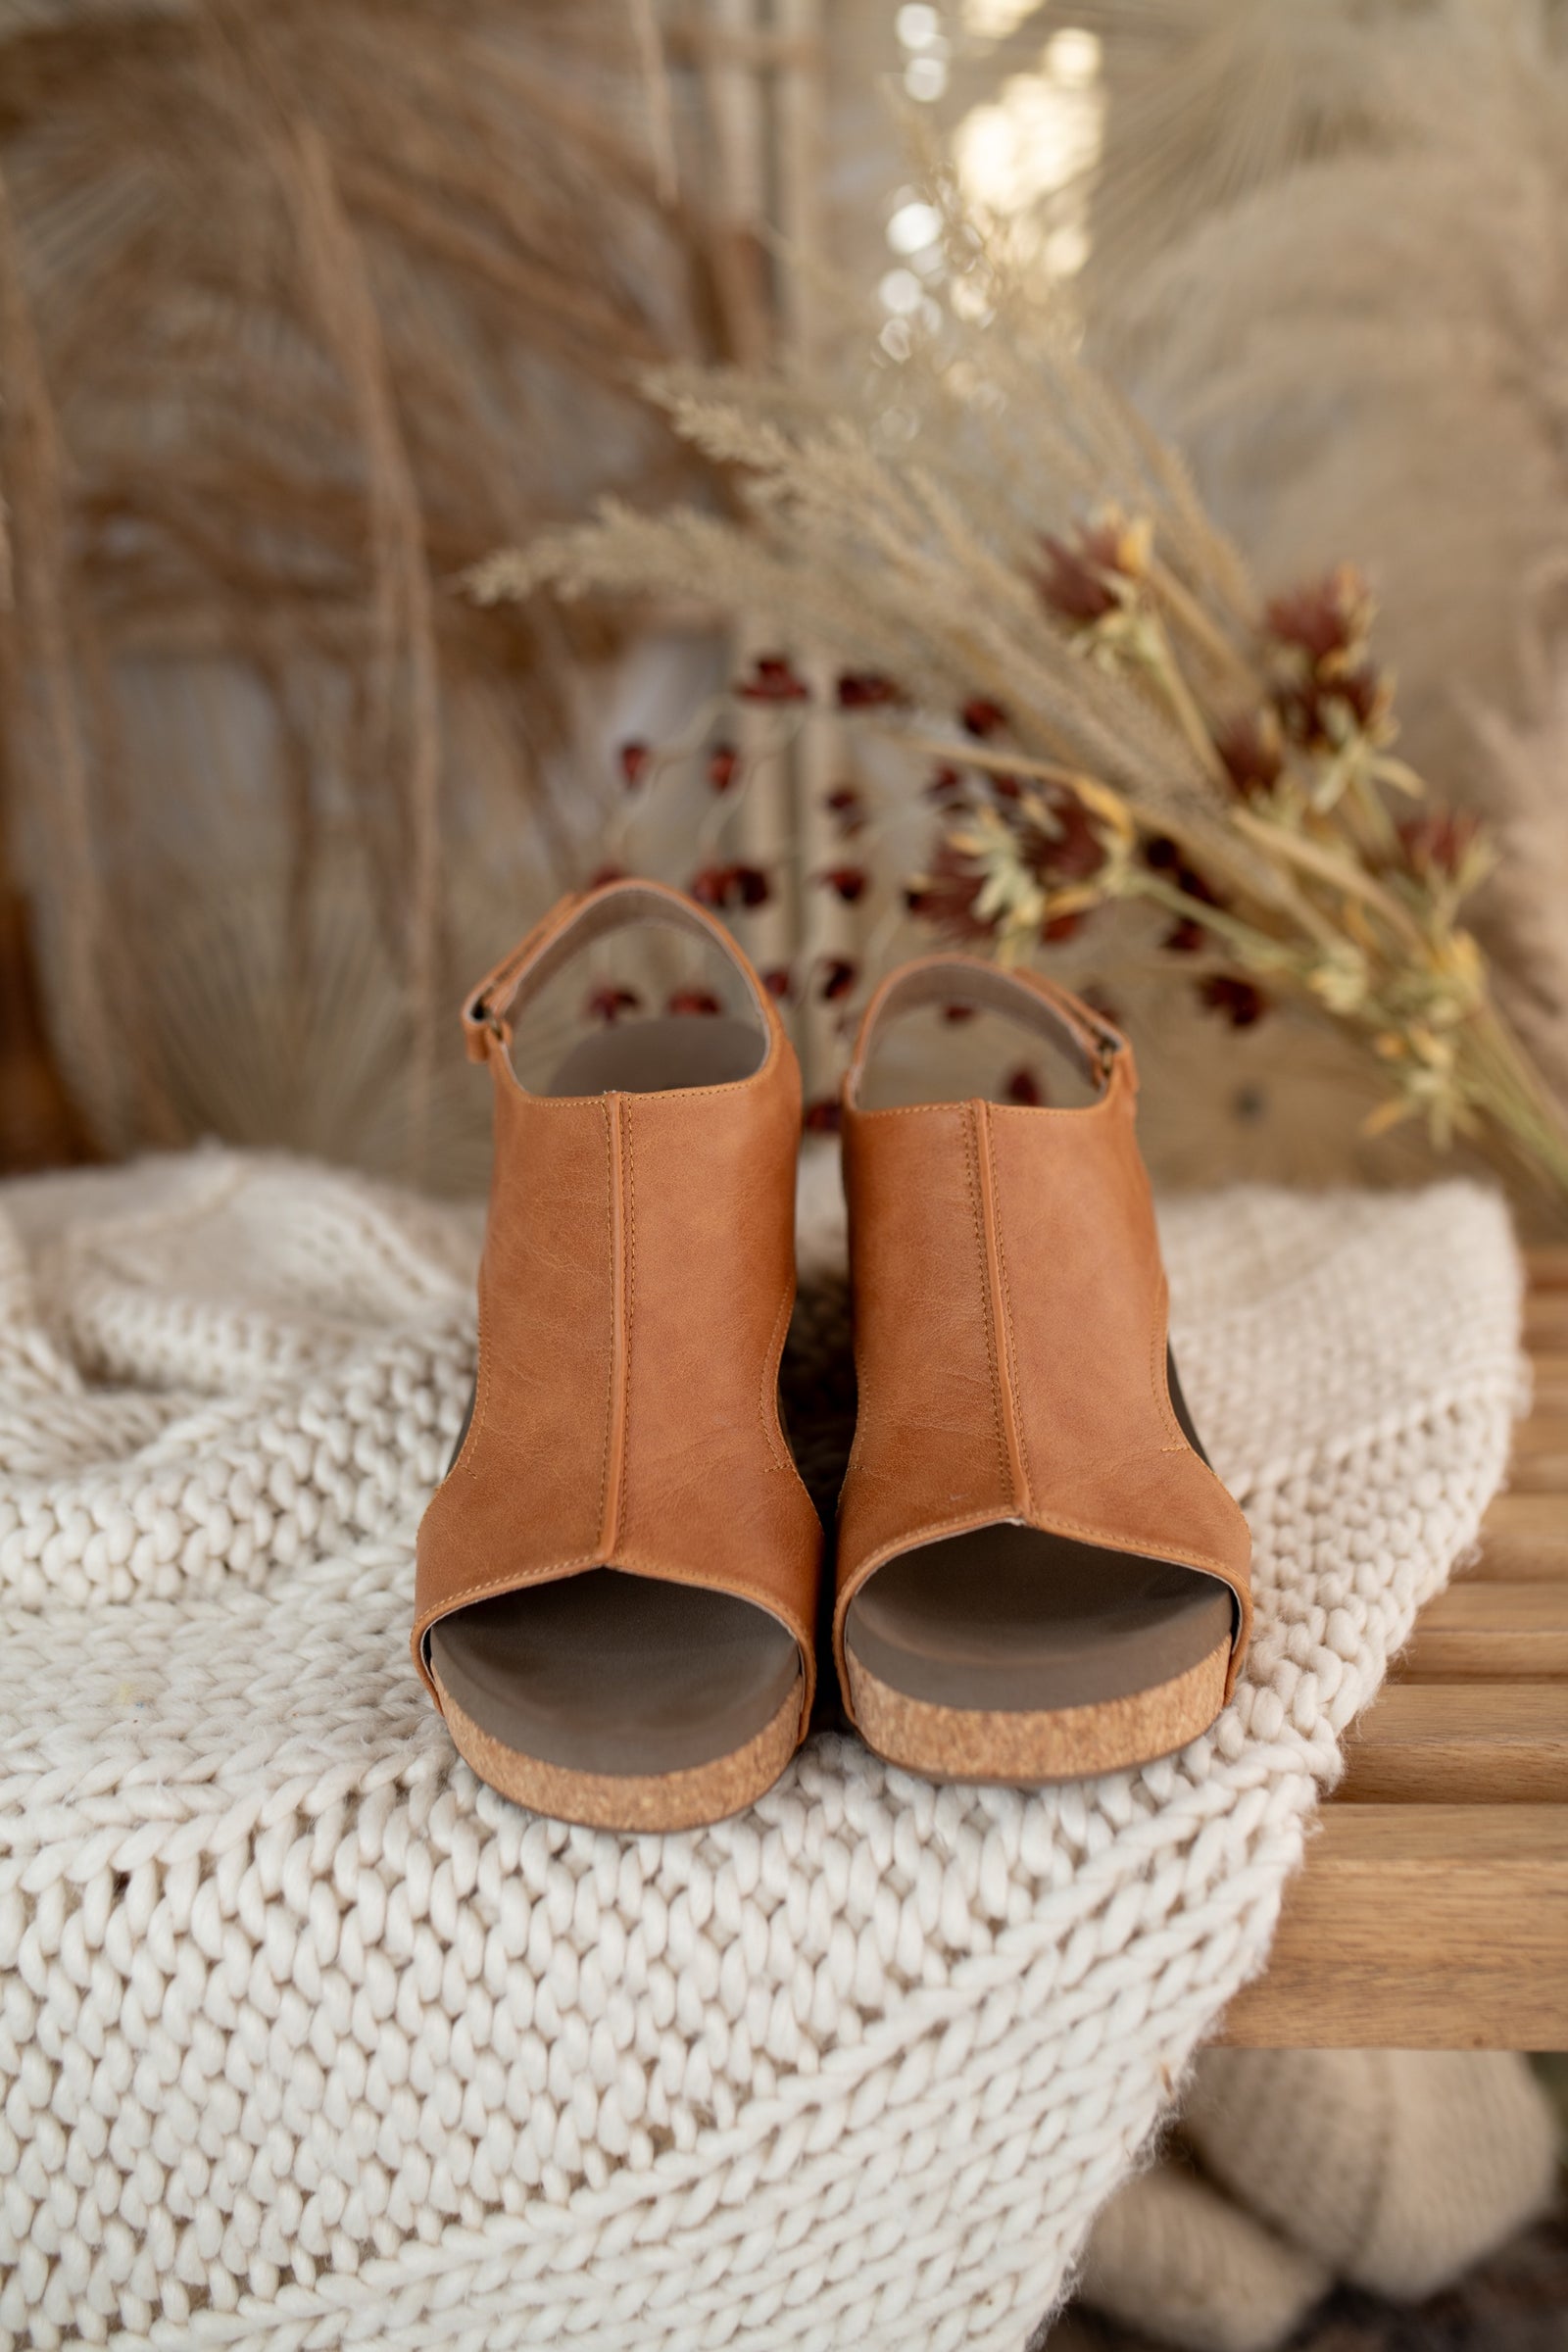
(1018, 1428)
(629, 1220)
(1159, 1382)
(609, 1117)
(773, 1434)
(971, 1158)
(463, 1465)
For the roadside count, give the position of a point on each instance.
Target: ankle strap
(573, 924)
(1023, 996)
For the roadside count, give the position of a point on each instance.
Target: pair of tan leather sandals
(1038, 1574)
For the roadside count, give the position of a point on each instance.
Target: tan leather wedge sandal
(617, 1577)
(1039, 1575)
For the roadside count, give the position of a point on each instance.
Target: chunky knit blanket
(307, 2039)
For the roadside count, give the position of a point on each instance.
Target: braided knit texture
(307, 2039)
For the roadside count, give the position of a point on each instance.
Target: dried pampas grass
(303, 303)
(1331, 259)
(1523, 773)
(974, 522)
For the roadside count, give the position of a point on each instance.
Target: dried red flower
(1252, 754)
(1024, 1088)
(634, 757)
(723, 767)
(946, 893)
(848, 882)
(773, 679)
(693, 1000)
(1237, 999)
(946, 786)
(844, 804)
(956, 1014)
(981, 718)
(605, 874)
(1439, 842)
(866, 690)
(609, 1003)
(1367, 691)
(1074, 584)
(1303, 703)
(839, 975)
(824, 1116)
(1066, 852)
(1324, 619)
(1162, 856)
(1074, 852)
(779, 981)
(723, 886)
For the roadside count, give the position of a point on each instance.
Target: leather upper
(634, 1295)
(1010, 1316)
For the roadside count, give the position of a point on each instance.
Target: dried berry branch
(980, 525)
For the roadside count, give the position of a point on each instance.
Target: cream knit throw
(307, 2039)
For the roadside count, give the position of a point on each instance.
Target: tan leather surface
(1011, 1318)
(634, 1295)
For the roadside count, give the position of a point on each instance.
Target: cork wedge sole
(1039, 1576)
(614, 1699)
(620, 1700)
(1025, 1747)
(630, 1801)
(1007, 1653)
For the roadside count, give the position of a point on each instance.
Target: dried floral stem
(1162, 666)
(1509, 1086)
(1189, 614)
(983, 526)
(959, 750)
(1328, 865)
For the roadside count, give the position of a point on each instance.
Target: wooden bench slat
(1539, 1464)
(1500, 1607)
(1419, 1926)
(1524, 1536)
(1431, 1911)
(1545, 1321)
(1488, 1631)
(1546, 1266)
(1541, 1432)
(1460, 1743)
(1541, 1473)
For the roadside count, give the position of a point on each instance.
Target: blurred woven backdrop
(306, 307)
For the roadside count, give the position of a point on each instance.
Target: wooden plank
(1543, 1433)
(1471, 1744)
(1540, 1463)
(1483, 1632)
(1419, 1926)
(1546, 1330)
(1523, 1538)
(1546, 1266)
(1540, 1473)
(1549, 1383)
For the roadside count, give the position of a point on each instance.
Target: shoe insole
(607, 1672)
(648, 1057)
(1010, 1618)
